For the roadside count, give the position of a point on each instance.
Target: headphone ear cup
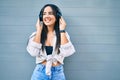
(59, 15)
(40, 17)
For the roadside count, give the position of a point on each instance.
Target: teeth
(47, 20)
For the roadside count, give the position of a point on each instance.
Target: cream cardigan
(34, 49)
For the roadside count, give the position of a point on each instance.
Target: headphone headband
(58, 12)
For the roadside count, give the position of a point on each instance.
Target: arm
(34, 45)
(66, 48)
(63, 37)
(37, 37)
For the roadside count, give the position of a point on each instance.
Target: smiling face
(48, 16)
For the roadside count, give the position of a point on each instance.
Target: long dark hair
(57, 13)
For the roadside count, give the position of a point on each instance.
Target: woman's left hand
(62, 24)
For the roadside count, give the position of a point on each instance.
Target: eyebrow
(48, 12)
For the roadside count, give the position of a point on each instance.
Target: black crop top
(49, 49)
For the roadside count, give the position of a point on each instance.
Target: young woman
(50, 44)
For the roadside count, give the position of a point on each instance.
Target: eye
(50, 13)
(44, 13)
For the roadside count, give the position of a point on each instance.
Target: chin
(48, 24)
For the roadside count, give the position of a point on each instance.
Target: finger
(63, 21)
(60, 21)
(41, 23)
(62, 18)
(37, 22)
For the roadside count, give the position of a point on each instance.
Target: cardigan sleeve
(68, 48)
(33, 48)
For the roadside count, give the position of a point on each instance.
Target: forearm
(37, 38)
(64, 39)
(33, 47)
(39, 26)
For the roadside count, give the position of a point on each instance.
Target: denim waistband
(53, 68)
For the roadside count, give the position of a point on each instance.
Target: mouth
(47, 20)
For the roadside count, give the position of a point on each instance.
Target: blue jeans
(57, 73)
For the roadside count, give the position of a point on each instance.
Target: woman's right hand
(39, 25)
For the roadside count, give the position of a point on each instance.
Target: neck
(50, 29)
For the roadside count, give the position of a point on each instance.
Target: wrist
(38, 32)
(62, 31)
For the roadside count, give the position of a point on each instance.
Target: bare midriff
(57, 64)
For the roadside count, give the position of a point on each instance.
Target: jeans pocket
(40, 68)
(59, 69)
(39, 72)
